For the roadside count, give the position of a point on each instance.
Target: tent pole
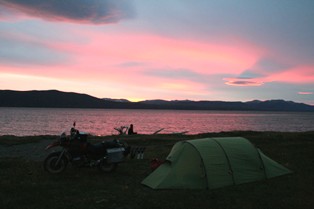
(261, 159)
(204, 168)
(228, 160)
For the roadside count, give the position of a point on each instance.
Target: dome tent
(211, 163)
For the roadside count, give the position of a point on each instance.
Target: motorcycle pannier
(115, 155)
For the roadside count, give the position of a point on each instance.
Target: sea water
(53, 121)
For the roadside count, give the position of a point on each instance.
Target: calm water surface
(50, 121)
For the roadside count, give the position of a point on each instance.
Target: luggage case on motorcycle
(115, 155)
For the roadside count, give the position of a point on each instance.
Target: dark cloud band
(243, 82)
(83, 11)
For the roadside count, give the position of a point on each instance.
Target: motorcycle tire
(106, 167)
(50, 163)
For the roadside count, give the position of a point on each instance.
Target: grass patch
(24, 184)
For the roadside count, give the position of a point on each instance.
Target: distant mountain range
(58, 99)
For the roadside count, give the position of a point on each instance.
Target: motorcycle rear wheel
(106, 167)
(51, 166)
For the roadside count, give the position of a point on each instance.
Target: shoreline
(185, 133)
(33, 147)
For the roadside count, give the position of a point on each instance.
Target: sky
(230, 50)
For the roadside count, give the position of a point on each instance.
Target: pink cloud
(99, 60)
(296, 75)
(305, 93)
(299, 74)
(160, 52)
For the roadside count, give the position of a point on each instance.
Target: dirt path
(30, 151)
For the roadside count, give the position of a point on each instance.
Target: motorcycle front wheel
(106, 167)
(52, 165)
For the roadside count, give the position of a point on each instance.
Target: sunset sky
(231, 50)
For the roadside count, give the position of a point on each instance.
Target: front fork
(60, 156)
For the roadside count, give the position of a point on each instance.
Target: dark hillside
(59, 99)
(50, 98)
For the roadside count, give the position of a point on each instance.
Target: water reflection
(40, 121)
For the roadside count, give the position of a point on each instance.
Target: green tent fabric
(211, 163)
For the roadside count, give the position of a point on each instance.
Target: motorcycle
(80, 153)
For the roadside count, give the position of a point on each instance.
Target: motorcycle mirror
(74, 123)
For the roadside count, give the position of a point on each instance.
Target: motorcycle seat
(96, 148)
(100, 148)
(111, 143)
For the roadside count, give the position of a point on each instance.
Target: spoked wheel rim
(53, 166)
